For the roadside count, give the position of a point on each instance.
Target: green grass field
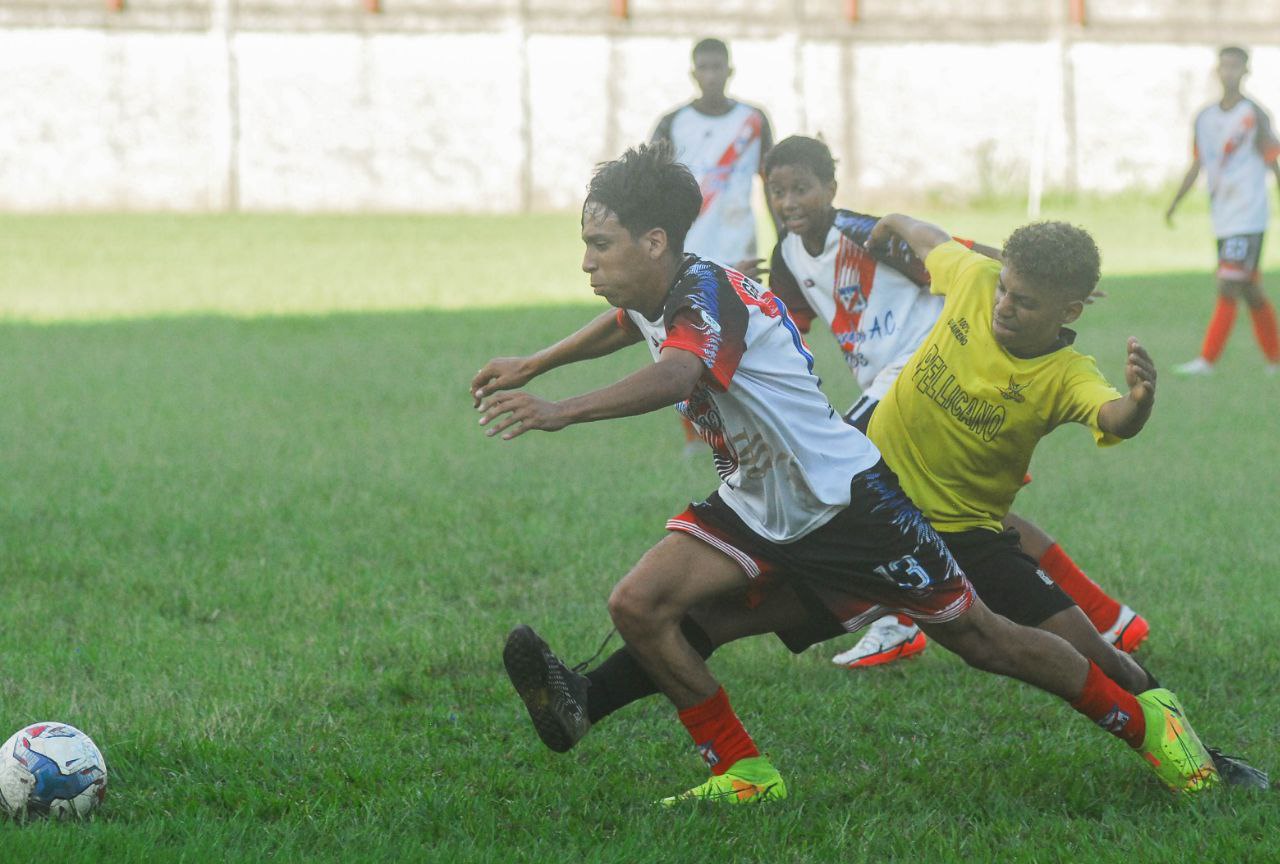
(252, 540)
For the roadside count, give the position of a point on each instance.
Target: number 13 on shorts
(905, 572)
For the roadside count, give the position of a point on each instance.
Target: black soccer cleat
(555, 696)
(1234, 771)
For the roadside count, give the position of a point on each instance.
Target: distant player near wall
(1234, 143)
(723, 142)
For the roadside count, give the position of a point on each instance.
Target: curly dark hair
(646, 188)
(1055, 255)
(812, 153)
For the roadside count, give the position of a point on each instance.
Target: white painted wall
(435, 122)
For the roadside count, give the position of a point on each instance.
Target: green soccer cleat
(748, 781)
(1171, 746)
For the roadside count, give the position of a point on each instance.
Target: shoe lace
(579, 667)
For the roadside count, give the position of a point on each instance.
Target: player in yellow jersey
(995, 375)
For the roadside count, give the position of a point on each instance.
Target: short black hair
(646, 188)
(811, 153)
(1234, 51)
(710, 46)
(1057, 256)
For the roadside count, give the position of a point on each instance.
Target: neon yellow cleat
(1171, 746)
(748, 781)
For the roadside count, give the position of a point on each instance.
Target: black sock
(621, 680)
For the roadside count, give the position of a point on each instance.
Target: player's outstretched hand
(1140, 373)
(1094, 297)
(514, 413)
(500, 373)
(752, 268)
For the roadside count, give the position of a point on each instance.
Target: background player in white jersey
(1234, 144)
(807, 515)
(879, 311)
(723, 142)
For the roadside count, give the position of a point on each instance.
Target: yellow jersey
(960, 423)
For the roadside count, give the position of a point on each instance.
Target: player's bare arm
(1188, 181)
(1125, 417)
(922, 237)
(599, 337)
(670, 380)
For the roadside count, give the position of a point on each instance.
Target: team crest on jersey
(1014, 392)
(851, 298)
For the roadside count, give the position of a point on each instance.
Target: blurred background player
(723, 143)
(1234, 144)
(879, 312)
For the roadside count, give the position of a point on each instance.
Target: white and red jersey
(878, 309)
(1234, 147)
(723, 152)
(785, 456)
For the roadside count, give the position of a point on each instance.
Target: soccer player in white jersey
(723, 142)
(1234, 144)
(808, 518)
(879, 311)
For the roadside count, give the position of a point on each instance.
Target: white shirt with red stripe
(723, 153)
(878, 315)
(785, 456)
(1234, 147)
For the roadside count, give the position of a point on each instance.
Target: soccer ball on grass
(51, 769)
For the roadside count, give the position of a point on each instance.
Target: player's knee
(631, 609)
(1230, 289)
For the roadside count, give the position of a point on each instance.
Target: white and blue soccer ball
(51, 769)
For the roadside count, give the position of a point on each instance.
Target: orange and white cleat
(886, 640)
(1129, 631)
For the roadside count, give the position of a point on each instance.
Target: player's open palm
(515, 412)
(500, 373)
(1140, 373)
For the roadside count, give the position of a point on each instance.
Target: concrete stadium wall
(507, 119)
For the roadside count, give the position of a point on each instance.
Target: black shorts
(1007, 579)
(877, 556)
(1238, 257)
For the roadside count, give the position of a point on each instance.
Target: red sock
(1215, 338)
(1101, 608)
(717, 733)
(1264, 328)
(1112, 707)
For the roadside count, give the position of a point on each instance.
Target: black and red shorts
(875, 557)
(1238, 258)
